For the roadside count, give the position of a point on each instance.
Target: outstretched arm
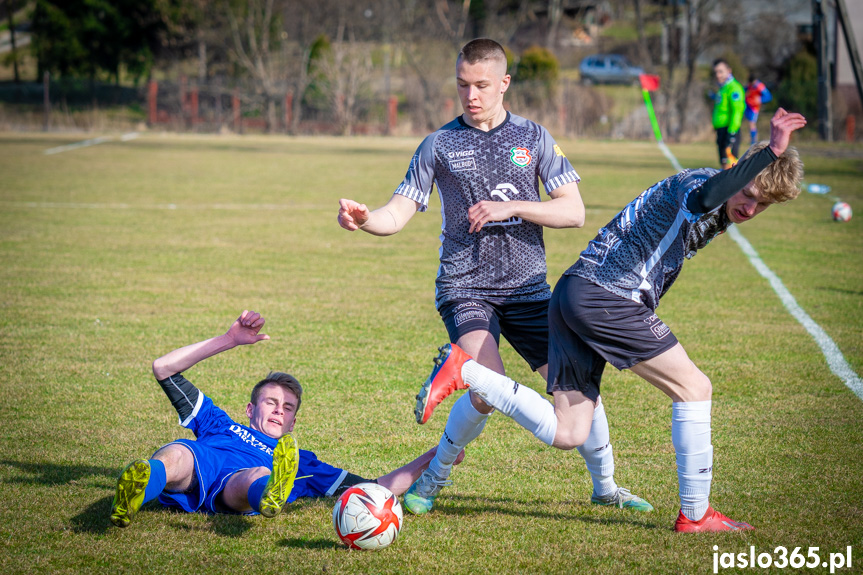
(384, 221)
(718, 189)
(244, 331)
(401, 479)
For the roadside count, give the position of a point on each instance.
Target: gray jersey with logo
(639, 253)
(504, 260)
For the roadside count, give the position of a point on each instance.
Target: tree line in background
(331, 55)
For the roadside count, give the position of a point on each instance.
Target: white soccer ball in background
(367, 516)
(841, 212)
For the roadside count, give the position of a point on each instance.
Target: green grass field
(113, 255)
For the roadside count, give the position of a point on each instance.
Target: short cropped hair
(482, 49)
(721, 61)
(285, 381)
(781, 180)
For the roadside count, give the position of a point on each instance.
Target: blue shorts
(523, 324)
(213, 468)
(588, 326)
(750, 114)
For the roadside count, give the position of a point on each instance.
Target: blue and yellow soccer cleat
(622, 499)
(419, 498)
(131, 486)
(286, 462)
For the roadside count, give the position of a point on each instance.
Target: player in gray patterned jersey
(603, 310)
(487, 165)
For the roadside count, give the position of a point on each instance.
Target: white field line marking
(88, 143)
(835, 360)
(831, 351)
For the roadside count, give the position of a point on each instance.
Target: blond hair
(780, 181)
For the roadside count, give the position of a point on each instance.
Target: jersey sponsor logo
(499, 193)
(597, 251)
(558, 151)
(462, 165)
(460, 154)
(520, 156)
(461, 161)
(247, 437)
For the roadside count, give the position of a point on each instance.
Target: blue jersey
(504, 260)
(638, 254)
(223, 447)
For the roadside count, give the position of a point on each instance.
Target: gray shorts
(589, 326)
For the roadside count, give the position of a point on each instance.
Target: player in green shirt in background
(727, 113)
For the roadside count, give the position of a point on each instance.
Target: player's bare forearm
(245, 330)
(560, 212)
(384, 221)
(564, 210)
(185, 357)
(400, 480)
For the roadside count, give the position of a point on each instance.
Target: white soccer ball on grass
(367, 516)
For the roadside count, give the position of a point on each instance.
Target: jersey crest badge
(520, 156)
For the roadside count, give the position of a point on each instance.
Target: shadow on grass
(839, 290)
(94, 520)
(53, 474)
(301, 543)
(466, 506)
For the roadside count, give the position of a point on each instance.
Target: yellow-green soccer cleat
(419, 498)
(623, 499)
(286, 462)
(130, 492)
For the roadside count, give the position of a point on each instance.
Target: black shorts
(523, 324)
(588, 326)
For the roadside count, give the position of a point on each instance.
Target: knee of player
(701, 389)
(570, 437)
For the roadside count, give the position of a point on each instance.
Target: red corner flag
(649, 82)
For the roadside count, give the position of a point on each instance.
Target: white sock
(598, 454)
(527, 407)
(690, 434)
(463, 425)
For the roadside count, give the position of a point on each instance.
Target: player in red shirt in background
(756, 94)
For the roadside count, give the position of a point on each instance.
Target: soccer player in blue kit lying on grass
(229, 467)
(603, 310)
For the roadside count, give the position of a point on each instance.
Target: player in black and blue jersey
(230, 467)
(603, 310)
(487, 165)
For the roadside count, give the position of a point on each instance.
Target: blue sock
(158, 480)
(753, 134)
(256, 490)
